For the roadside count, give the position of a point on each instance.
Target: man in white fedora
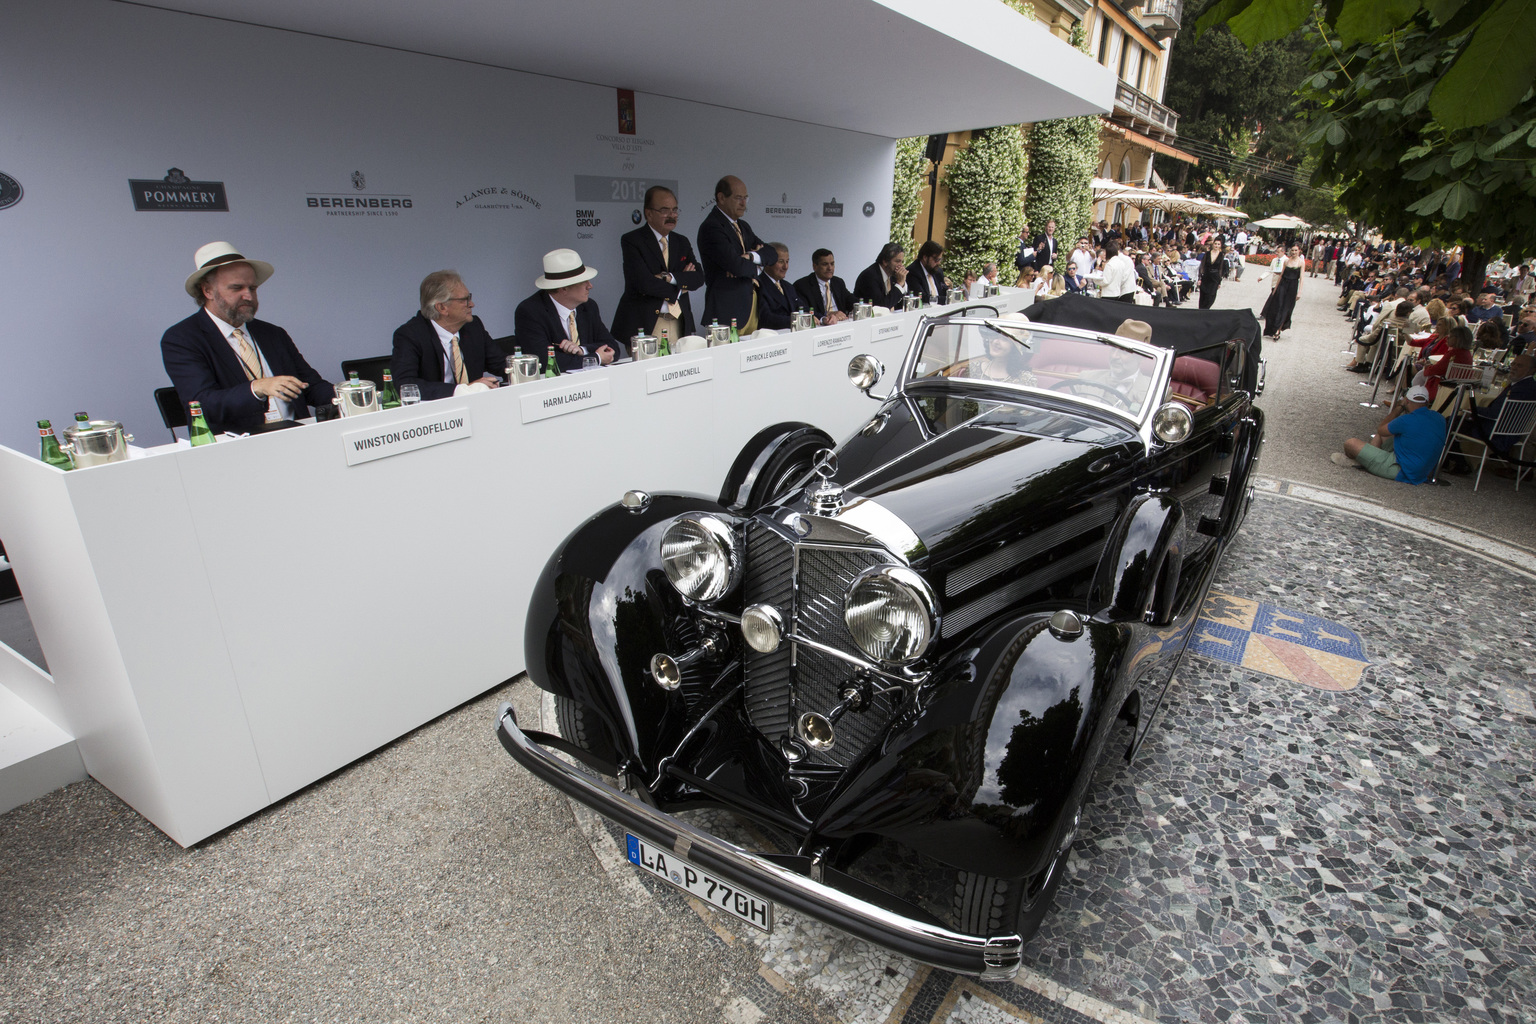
(562, 314)
(245, 372)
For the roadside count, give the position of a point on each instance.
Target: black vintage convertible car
(913, 646)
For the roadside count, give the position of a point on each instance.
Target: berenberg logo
(177, 192)
(371, 204)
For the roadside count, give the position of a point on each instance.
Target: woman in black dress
(1282, 294)
(1213, 267)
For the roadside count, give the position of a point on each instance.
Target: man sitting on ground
(1406, 444)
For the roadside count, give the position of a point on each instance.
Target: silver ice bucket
(719, 335)
(97, 443)
(645, 347)
(355, 397)
(523, 368)
(802, 320)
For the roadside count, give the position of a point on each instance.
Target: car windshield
(1029, 357)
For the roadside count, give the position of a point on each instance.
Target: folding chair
(1516, 418)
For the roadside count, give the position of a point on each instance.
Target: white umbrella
(1281, 222)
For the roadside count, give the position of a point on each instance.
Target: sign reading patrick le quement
(177, 192)
(393, 438)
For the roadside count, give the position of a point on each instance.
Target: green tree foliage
(1490, 45)
(1228, 96)
(1063, 155)
(986, 198)
(910, 176)
(1399, 166)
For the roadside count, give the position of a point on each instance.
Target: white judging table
(227, 624)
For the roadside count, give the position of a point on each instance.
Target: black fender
(764, 460)
(599, 611)
(1138, 574)
(1250, 442)
(1002, 748)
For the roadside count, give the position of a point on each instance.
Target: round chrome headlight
(700, 558)
(762, 627)
(891, 613)
(1172, 423)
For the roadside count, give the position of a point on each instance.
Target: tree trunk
(1474, 264)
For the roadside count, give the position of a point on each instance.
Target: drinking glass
(589, 362)
(410, 394)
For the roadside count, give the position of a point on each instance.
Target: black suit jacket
(728, 273)
(1046, 250)
(918, 284)
(538, 326)
(809, 288)
(417, 357)
(644, 292)
(205, 369)
(870, 287)
(776, 300)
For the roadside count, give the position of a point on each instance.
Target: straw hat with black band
(219, 254)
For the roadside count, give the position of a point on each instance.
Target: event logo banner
(784, 209)
(10, 191)
(178, 193)
(498, 197)
(832, 209)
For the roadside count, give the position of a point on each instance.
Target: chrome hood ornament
(823, 497)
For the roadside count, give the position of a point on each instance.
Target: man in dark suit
(884, 282)
(925, 277)
(823, 285)
(444, 349)
(1046, 246)
(659, 272)
(562, 314)
(777, 298)
(732, 255)
(243, 371)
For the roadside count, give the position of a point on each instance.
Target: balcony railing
(1143, 113)
(1161, 17)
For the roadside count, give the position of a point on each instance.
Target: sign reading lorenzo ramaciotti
(177, 193)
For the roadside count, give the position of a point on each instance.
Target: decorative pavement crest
(1292, 645)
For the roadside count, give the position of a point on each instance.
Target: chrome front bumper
(989, 957)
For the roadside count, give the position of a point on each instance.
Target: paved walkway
(1330, 821)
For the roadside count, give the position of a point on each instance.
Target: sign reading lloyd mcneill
(665, 378)
(380, 442)
(177, 192)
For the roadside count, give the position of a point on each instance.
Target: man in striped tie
(444, 349)
(245, 372)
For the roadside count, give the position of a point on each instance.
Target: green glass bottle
(389, 398)
(550, 369)
(662, 348)
(735, 336)
(82, 421)
(52, 453)
(351, 375)
(197, 428)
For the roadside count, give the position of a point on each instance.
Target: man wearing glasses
(659, 272)
(444, 349)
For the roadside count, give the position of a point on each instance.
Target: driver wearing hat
(562, 314)
(1125, 380)
(244, 371)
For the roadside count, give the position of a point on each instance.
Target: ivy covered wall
(907, 190)
(986, 192)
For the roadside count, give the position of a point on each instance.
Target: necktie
(459, 376)
(826, 301)
(674, 310)
(743, 241)
(570, 329)
(250, 362)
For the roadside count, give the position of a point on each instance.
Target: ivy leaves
(1492, 68)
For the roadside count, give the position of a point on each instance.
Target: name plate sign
(765, 355)
(885, 329)
(437, 427)
(665, 378)
(831, 343)
(590, 391)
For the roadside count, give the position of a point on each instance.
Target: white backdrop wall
(97, 93)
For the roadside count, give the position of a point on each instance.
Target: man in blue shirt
(1406, 445)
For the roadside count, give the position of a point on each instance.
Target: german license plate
(721, 895)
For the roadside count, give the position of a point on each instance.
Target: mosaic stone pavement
(1348, 842)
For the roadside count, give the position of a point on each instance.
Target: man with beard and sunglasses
(659, 272)
(245, 372)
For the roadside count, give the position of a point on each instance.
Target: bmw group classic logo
(10, 191)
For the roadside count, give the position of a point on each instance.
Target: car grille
(794, 679)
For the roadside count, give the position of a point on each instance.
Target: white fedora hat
(563, 267)
(213, 256)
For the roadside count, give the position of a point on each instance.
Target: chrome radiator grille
(793, 680)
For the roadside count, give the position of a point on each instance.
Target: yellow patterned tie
(673, 308)
(459, 377)
(570, 329)
(826, 290)
(250, 362)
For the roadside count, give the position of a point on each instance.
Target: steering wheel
(1119, 396)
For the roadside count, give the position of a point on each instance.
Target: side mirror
(1172, 423)
(864, 372)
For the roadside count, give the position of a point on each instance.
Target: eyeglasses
(662, 209)
(459, 298)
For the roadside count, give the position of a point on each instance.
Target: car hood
(1000, 472)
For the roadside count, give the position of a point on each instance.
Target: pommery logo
(177, 192)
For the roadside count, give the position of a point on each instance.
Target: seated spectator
(1406, 444)
(1458, 350)
(1489, 335)
(1525, 332)
(1487, 311)
(1365, 351)
(1521, 388)
(1074, 281)
(1048, 284)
